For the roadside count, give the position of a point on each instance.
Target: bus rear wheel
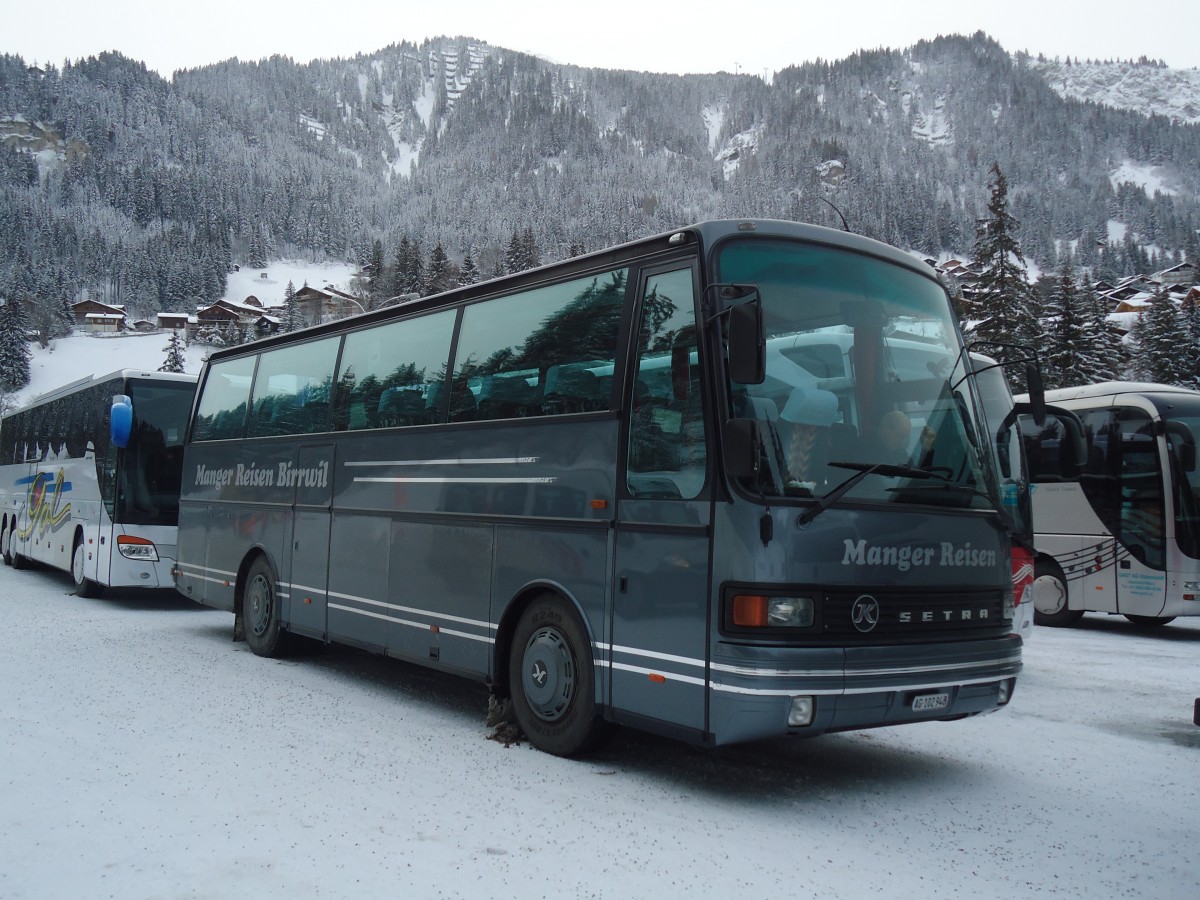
(4, 547)
(1050, 597)
(11, 556)
(84, 587)
(265, 633)
(552, 679)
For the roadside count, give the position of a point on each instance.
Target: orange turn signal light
(750, 611)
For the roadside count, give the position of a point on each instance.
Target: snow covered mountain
(145, 191)
(1146, 88)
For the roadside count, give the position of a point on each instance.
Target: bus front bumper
(760, 692)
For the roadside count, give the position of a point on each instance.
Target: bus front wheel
(265, 633)
(84, 587)
(552, 679)
(1050, 597)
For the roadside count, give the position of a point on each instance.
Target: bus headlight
(138, 548)
(760, 611)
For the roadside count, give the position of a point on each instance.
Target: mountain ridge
(458, 143)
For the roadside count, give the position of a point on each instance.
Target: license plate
(926, 702)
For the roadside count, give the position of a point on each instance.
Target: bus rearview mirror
(747, 343)
(121, 420)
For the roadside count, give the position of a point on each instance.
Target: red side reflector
(599, 504)
(658, 679)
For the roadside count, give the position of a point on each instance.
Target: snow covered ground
(143, 754)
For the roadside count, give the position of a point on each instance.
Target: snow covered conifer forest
(121, 186)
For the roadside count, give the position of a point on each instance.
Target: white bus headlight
(759, 611)
(132, 547)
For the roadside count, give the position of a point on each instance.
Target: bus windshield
(151, 465)
(865, 396)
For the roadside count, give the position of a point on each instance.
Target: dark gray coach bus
(726, 483)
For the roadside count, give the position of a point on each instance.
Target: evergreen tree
(1064, 362)
(14, 346)
(1156, 344)
(293, 318)
(514, 256)
(438, 276)
(1006, 307)
(1105, 358)
(175, 357)
(1190, 314)
(468, 272)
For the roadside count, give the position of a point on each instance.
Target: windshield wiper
(888, 470)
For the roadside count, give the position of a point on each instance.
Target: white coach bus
(89, 479)
(1118, 533)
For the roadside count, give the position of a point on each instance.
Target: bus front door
(659, 670)
(660, 614)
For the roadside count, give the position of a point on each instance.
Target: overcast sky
(755, 36)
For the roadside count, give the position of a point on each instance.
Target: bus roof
(87, 381)
(702, 234)
(1112, 389)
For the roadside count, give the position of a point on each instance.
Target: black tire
(4, 548)
(1149, 621)
(84, 587)
(11, 556)
(552, 679)
(1049, 592)
(265, 633)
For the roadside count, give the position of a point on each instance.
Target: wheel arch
(239, 588)
(507, 626)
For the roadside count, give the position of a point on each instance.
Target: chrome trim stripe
(183, 565)
(424, 626)
(409, 609)
(530, 480)
(879, 689)
(859, 672)
(499, 461)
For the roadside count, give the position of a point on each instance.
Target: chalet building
(327, 304)
(172, 321)
(219, 315)
(104, 323)
(1186, 273)
(265, 325)
(85, 308)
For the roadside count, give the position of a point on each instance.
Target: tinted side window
(544, 352)
(292, 388)
(667, 449)
(222, 410)
(392, 374)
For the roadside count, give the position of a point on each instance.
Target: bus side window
(392, 372)
(668, 452)
(221, 413)
(542, 352)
